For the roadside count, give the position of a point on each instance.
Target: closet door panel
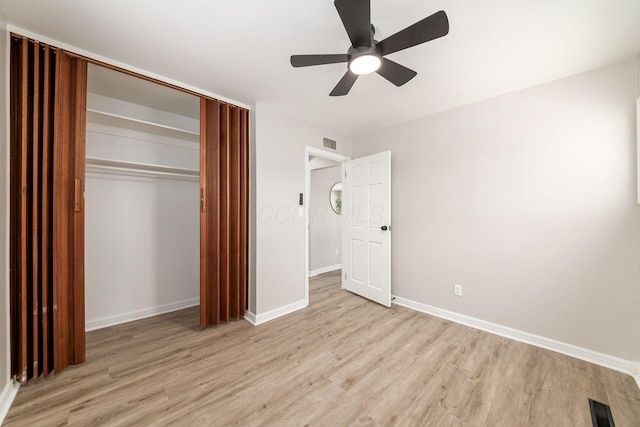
(209, 212)
(235, 181)
(68, 216)
(20, 117)
(224, 223)
(46, 268)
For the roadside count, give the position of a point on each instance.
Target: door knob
(384, 228)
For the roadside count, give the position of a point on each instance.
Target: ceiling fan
(366, 55)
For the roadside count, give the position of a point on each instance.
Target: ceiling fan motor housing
(355, 52)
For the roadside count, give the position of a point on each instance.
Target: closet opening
(128, 199)
(142, 199)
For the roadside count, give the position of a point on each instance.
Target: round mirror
(335, 198)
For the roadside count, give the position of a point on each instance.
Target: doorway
(321, 212)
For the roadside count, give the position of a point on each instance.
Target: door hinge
(345, 276)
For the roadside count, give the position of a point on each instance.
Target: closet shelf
(119, 167)
(133, 123)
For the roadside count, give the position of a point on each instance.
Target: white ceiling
(240, 49)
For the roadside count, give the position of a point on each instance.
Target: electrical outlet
(337, 251)
(457, 290)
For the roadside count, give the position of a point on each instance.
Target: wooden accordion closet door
(48, 103)
(223, 211)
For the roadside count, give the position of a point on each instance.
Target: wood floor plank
(341, 361)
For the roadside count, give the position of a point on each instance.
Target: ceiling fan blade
(356, 18)
(395, 73)
(431, 27)
(344, 85)
(308, 60)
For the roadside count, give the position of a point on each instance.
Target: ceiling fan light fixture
(365, 64)
(366, 55)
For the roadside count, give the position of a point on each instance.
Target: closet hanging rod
(133, 168)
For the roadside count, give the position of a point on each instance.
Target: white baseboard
(250, 317)
(615, 363)
(7, 395)
(317, 271)
(139, 314)
(257, 319)
(636, 373)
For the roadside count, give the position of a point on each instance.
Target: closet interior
(142, 201)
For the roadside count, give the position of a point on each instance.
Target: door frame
(308, 153)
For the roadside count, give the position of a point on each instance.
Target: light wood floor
(341, 361)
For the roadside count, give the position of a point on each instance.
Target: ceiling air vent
(329, 143)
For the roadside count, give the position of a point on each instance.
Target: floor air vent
(600, 414)
(329, 143)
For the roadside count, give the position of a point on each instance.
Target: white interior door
(366, 227)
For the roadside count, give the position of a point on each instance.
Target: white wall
(325, 229)
(142, 233)
(280, 176)
(528, 201)
(142, 247)
(638, 131)
(5, 366)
